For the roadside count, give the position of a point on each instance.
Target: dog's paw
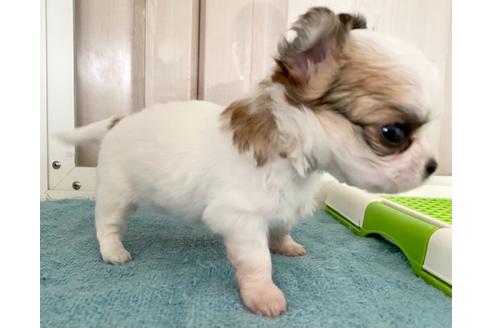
(115, 254)
(266, 299)
(287, 247)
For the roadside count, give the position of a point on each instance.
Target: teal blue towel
(180, 277)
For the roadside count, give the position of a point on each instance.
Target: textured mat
(180, 278)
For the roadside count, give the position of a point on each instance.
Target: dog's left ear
(311, 60)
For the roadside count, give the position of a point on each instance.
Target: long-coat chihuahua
(340, 99)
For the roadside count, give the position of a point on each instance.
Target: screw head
(76, 185)
(56, 165)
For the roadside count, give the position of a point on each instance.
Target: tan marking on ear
(307, 65)
(320, 79)
(280, 76)
(254, 128)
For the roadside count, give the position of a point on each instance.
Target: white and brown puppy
(340, 99)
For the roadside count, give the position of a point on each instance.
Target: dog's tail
(89, 133)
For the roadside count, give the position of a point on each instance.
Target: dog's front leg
(247, 249)
(246, 240)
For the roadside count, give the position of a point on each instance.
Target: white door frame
(64, 179)
(43, 114)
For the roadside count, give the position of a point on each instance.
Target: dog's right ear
(311, 59)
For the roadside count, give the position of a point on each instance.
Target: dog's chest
(296, 200)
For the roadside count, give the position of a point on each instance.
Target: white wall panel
(238, 40)
(171, 50)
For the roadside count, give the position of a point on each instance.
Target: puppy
(340, 99)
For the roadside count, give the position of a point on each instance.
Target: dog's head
(372, 95)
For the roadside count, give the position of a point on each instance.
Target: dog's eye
(395, 133)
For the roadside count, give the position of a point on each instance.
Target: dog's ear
(353, 22)
(310, 61)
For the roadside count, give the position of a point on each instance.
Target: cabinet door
(109, 63)
(237, 41)
(171, 50)
(111, 57)
(131, 54)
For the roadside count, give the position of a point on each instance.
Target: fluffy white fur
(180, 158)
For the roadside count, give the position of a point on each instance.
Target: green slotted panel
(438, 208)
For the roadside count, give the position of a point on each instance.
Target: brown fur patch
(307, 66)
(254, 128)
(281, 76)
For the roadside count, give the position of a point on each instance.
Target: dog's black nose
(430, 167)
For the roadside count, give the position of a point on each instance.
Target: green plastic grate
(438, 208)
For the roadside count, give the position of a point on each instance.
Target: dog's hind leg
(281, 242)
(112, 209)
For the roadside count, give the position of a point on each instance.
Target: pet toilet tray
(419, 226)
